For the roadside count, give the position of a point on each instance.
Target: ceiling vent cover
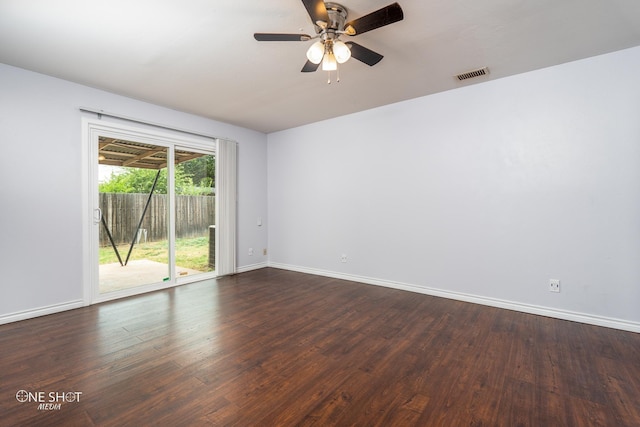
(473, 73)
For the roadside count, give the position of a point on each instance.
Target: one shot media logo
(48, 401)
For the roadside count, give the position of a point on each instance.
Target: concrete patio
(114, 277)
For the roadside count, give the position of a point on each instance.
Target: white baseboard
(492, 302)
(41, 311)
(251, 267)
(590, 319)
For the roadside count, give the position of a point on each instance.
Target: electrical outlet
(554, 285)
(264, 251)
(343, 258)
(250, 251)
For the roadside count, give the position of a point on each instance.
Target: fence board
(122, 213)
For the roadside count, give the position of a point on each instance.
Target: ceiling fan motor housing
(337, 17)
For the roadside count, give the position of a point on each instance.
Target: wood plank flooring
(278, 348)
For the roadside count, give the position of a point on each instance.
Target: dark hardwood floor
(278, 348)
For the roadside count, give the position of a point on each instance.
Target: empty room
(283, 213)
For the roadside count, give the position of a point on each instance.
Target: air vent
(473, 73)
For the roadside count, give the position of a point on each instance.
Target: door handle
(97, 215)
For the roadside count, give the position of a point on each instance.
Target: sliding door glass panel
(133, 238)
(195, 212)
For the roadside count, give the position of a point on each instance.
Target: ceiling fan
(330, 23)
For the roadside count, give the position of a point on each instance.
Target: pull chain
(337, 76)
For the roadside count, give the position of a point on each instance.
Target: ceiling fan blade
(317, 10)
(279, 37)
(363, 54)
(310, 67)
(381, 17)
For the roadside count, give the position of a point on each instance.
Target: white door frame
(91, 130)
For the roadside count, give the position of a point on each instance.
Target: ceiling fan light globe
(329, 62)
(316, 52)
(341, 52)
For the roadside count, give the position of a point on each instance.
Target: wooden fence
(122, 214)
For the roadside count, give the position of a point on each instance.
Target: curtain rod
(101, 113)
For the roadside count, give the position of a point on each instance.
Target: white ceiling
(200, 56)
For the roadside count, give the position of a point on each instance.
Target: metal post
(115, 248)
(133, 241)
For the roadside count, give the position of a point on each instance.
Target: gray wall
(482, 193)
(41, 186)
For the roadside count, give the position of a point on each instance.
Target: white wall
(483, 193)
(41, 186)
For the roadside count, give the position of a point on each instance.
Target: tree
(202, 170)
(134, 180)
(194, 177)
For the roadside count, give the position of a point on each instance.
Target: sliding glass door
(153, 221)
(133, 237)
(195, 213)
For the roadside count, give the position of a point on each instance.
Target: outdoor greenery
(194, 177)
(191, 253)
